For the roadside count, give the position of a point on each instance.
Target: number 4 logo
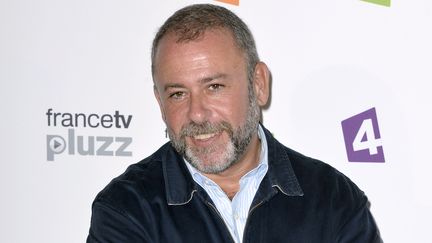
(362, 137)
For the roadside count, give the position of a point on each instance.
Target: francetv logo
(73, 143)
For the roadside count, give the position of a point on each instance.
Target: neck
(229, 180)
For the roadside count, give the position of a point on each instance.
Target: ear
(261, 83)
(159, 100)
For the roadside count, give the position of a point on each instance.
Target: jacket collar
(180, 187)
(280, 172)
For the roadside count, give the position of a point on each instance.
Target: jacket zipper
(220, 217)
(248, 217)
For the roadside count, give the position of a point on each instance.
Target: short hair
(191, 22)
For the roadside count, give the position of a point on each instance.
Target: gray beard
(234, 149)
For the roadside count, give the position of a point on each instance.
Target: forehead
(214, 44)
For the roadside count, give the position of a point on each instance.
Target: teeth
(204, 136)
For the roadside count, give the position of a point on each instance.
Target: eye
(177, 95)
(215, 87)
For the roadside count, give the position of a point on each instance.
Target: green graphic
(380, 2)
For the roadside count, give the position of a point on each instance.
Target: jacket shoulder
(142, 180)
(321, 179)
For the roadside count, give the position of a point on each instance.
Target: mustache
(194, 129)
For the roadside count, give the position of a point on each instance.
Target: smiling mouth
(204, 136)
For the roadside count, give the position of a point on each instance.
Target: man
(223, 177)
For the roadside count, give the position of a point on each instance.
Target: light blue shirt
(235, 212)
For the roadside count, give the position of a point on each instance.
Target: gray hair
(191, 22)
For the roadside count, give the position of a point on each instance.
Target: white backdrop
(330, 60)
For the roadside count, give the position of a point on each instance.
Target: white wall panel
(330, 60)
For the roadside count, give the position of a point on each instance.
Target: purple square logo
(362, 137)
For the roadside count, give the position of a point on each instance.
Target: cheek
(241, 111)
(174, 118)
(234, 109)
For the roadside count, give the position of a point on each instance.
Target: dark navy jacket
(299, 200)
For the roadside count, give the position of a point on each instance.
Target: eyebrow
(211, 78)
(202, 81)
(172, 86)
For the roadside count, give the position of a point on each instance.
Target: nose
(199, 111)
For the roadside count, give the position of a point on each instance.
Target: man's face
(205, 99)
